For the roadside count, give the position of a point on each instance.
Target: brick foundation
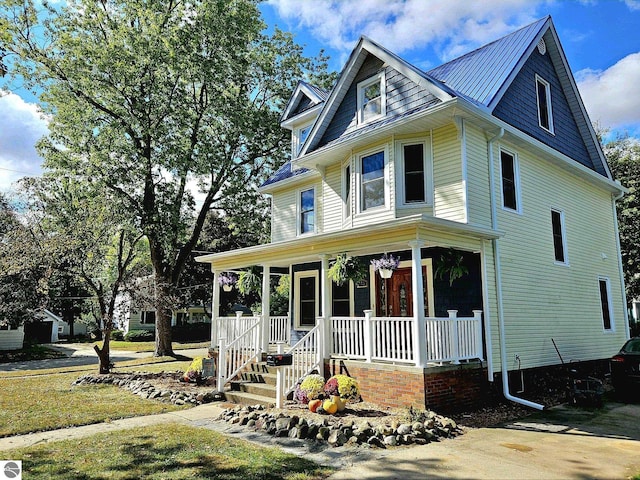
(444, 389)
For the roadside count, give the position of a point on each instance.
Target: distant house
(485, 179)
(47, 327)
(11, 338)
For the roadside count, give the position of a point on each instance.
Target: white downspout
(614, 199)
(498, 269)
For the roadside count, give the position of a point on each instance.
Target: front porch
(415, 320)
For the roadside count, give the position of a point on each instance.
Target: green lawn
(170, 451)
(150, 346)
(49, 401)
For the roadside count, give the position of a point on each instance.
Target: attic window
(542, 47)
(543, 93)
(371, 99)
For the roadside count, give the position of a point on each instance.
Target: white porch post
(325, 284)
(420, 326)
(215, 309)
(266, 307)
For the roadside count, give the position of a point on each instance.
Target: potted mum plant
(385, 265)
(227, 280)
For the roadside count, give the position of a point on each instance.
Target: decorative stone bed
(359, 424)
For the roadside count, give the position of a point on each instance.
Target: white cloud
(21, 126)
(612, 96)
(632, 4)
(450, 26)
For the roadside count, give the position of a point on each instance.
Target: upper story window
(372, 191)
(605, 303)
(510, 181)
(559, 237)
(545, 116)
(371, 99)
(299, 137)
(307, 211)
(346, 189)
(414, 187)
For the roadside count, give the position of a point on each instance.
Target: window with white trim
(346, 190)
(415, 177)
(371, 99)
(372, 181)
(307, 207)
(306, 299)
(559, 237)
(543, 93)
(605, 303)
(341, 305)
(510, 181)
(299, 137)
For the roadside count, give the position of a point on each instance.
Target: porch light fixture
(385, 265)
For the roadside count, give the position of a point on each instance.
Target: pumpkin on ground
(340, 402)
(330, 407)
(314, 404)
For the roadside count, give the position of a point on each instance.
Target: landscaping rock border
(337, 432)
(138, 384)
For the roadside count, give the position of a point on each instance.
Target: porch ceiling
(387, 236)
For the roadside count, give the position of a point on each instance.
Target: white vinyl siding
(478, 199)
(540, 300)
(449, 202)
(331, 200)
(283, 215)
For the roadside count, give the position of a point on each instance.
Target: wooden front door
(395, 296)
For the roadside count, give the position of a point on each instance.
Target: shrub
(116, 335)
(193, 374)
(310, 388)
(139, 336)
(191, 332)
(344, 387)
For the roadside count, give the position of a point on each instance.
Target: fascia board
(576, 92)
(272, 187)
(303, 117)
(562, 159)
(518, 66)
(312, 159)
(302, 249)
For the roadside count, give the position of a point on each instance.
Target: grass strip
(150, 346)
(169, 451)
(47, 402)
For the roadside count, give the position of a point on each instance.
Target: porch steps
(256, 386)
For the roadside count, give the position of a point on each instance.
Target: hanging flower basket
(385, 265)
(345, 268)
(227, 281)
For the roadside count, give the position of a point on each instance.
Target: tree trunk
(103, 353)
(163, 319)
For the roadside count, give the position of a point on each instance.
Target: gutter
(498, 269)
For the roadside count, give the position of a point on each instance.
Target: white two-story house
(484, 177)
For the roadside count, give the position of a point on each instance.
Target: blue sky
(601, 39)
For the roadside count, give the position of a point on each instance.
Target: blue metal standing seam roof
(283, 173)
(481, 73)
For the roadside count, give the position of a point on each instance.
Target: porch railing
(391, 339)
(234, 356)
(279, 330)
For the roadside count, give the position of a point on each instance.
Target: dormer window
(299, 137)
(543, 92)
(371, 99)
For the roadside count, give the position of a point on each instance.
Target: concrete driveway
(561, 443)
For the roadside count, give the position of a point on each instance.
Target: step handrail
(236, 355)
(306, 358)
